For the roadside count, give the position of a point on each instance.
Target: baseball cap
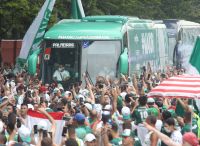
(126, 132)
(153, 111)
(42, 125)
(90, 137)
(79, 117)
(60, 88)
(43, 89)
(150, 100)
(24, 134)
(67, 93)
(89, 106)
(191, 138)
(55, 90)
(126, 113)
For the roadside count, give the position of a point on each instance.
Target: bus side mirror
(32, 62)
(123, 62)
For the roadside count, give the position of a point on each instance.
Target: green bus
(103, 45)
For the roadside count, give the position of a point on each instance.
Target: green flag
(36, 31)
(195, 57)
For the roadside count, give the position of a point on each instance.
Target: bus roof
(89, 28)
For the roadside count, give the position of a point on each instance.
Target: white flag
(36, 31)
(35, 117)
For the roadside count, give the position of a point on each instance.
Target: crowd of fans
(110, 113)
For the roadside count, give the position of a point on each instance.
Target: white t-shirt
(45, 96)
(159, 124)
(61, 75)
(176, 136)
(20, 99)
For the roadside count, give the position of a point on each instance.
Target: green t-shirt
(140, 114)
(81, 131)
(137, 142)
(195, 126)
(119, 102)
(186, 128)
(179, 110)
(116, 141)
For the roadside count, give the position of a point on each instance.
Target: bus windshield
(65, 61)
(100, 58)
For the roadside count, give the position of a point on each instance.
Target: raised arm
(53, 127)
(168, 141)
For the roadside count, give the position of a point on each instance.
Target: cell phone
(129, 79)
(18, 123)
(64, 131)
(81, 100)
(44, 133)
(35, 129)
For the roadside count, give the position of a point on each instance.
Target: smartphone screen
(44, 133)
(18, 123)
(35, 129)
(64, 131)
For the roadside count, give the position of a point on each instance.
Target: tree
(17, 15)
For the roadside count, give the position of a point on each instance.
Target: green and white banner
(142, 48)
(36, 31)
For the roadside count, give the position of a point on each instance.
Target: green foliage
(17, 15)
